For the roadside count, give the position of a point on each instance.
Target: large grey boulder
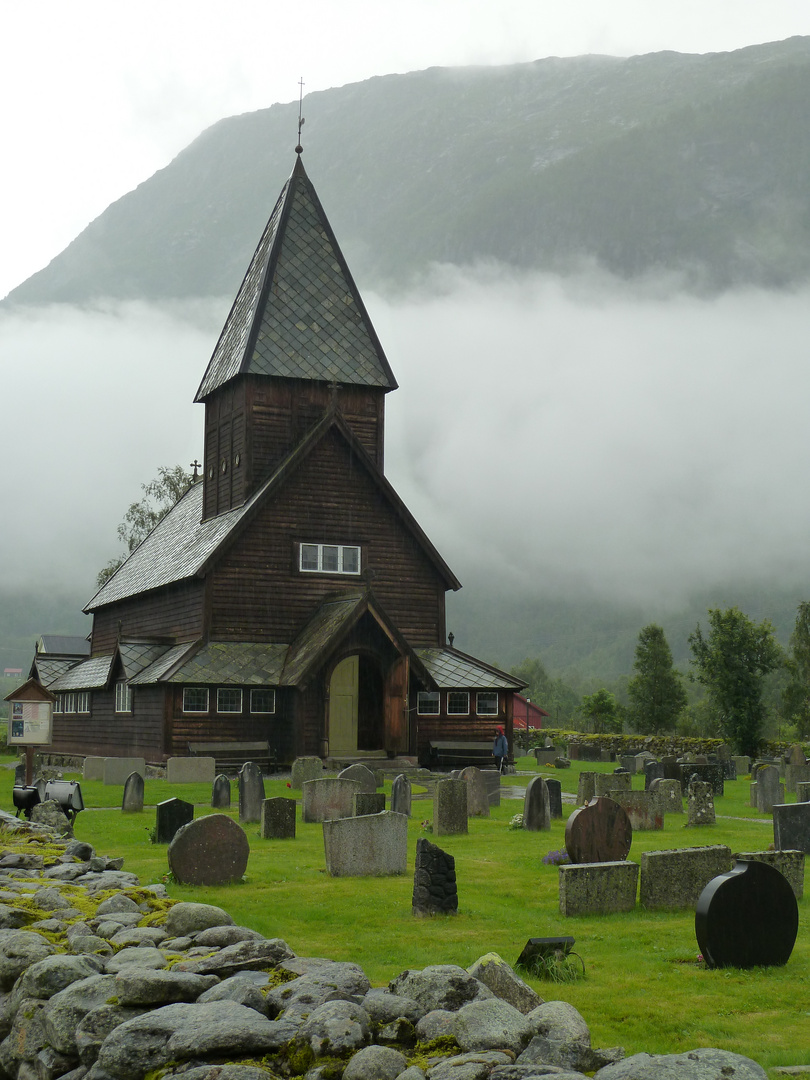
(65, 1011)
(376, 1063)
(533, 1072)
(19, 949)
(94, 1028)
(239, 989)
(343, 975)
(472, 1066)
(144, 986)
(302, 996)
(137, 956)
(436, 1024)
(492, 1025)
(562, 1039)
(51, 814)
(336, 1028)
(219, 936)
(495, 973)
(47, 977)
(243, 956)
(186, 918)
(440, 986)
(706, 1063)
(383, 1007)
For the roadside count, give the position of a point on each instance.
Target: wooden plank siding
(174, 612)
(110, 734)
(257, 591)
(275, 728)
(470, 728)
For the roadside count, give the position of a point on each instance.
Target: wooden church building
(289, 597)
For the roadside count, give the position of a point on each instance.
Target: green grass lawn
(643, 987)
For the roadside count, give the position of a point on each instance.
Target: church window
(262, 701)
(427, 703)
(458, 703)
(229, 699)
(329, 559)
(486, 703)
(195, 699)
(123, 697)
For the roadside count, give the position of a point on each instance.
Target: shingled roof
(298, 313)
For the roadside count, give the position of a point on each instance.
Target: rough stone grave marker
(747, 918)
(653, 770)
(213, 850)
(554, 797)
(700, 804)
(477, 793)
(191, 770)
(450, 807)
(305, 768)
(796, 774)
(367, 802)
(643, 809)
(803, 791)
(668, 793)
(770, 790)
(278, 819)
(604, 783)
(791, 826)
(171, 815)
(795, 755)
(789, 863)
(435, 891)
(251, 793)
(537, 805)
(598, 888)
(132, 802)
(585, 788)
(372, 846)
(675, 878)
(598, 832)
(361, 775)
(401, 795)
(331, 797)
(221, 793)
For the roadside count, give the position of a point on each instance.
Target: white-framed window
(68, 703)
(57, 705)
(123, 697)
(486, 703)
(83, 701)
(329, 559)
(458, 703)
(427, 703)
(262, 701)
(195, 699)
(229, 699)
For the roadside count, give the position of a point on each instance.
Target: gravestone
(796, 774)
(117, 769)
(770, 790)
(700, 804)
(435, 891)
(598, 888)
(653, 770)
(724, 752)
(492, 779)
(554, 797)
(171, 815)
(672, 770)
(92, 769)
(544, 756)
(213, 850)
(190, 770)
(585, 787)
(221, 793)
(450, 807)
(604, 783)
(789, 863)
(791, 826)
(747, 918)
(251, 793)
(537, 805)
(706, 771)
(598, 832)
(668, 793)
(278, 819)
(331, 797)
(401, 795)
(477, 794)
(802, 792)
(372, 846)
(19, 775)
(795, 755)
(742, 764)
(643, 808)
(367, 802)
(305, 768)
(628, 761)
(676, 878)
(132, 802)
(361, 775)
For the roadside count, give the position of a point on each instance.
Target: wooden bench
(231, 756)
(457, 754)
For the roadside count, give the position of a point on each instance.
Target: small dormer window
(329, 559)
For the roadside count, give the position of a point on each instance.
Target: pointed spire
(298, 313)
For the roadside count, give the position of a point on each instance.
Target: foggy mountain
(661, 162)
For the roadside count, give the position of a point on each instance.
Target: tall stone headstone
(604, 783)
(361, 775)
(251, 793)
(796, 774)
(305, 768)
(221, 793)
(434, 881)
(585, 788)
(278, 819)
(477, 793)
(537, 806)
(171, 815)
(795, 755)
(554, 797)
(375, 845)
(367, 802)
(132, 802)
(770, 789)
(331, 797)
(492, 779)
(653, 770)
(803, 792)
(450, 807)
(668, 793)
(401, 795)
(213, 850)
(791, 826)
(700, 804)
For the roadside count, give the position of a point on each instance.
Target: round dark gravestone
(598, 832)
(212, 850)
(747, 918)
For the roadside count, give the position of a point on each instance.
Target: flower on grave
(557, 858)
(427, 825)
(289, 784)
(516, 822)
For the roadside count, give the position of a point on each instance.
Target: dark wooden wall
(174, 612)
(109, 734)
(470, 728)
(276, 729)
(257, 591)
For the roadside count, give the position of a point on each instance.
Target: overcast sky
(97, 95)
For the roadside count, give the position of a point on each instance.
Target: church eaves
(298, 313)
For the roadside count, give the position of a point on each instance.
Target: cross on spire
(299, 148)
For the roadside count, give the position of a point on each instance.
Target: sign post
(30, 721)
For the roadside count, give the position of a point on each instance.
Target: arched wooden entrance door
(356, 710)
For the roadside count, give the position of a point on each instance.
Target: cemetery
(339, 872)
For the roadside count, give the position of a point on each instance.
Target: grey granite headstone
(700, 804)
(190, 770)
(742, 764)
(803, 792)
(367, 802)
(93, 768)
(604, 783)
(331, 797)
(653, 770)
(450, 807)
(795, 755)
(361, 775)
(117, 769)
(536, 806)
(132, 802)
(628, 761)
(372, 846)
(796, 774)
(401, 795)
(675, 878)
(213, 850)
(554, 797)
(305, 768)
(278, 819)
(770, 789)
(251, 793)
(791, 826)
(171, 815)
(585, 788)
(477, 794)
(221, 793)
(668, 793)
(492, 779)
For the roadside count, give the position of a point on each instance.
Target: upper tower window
(329, 559)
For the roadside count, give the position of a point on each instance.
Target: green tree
(657, 695)
(732, 663)
(159, 496)
(554, 695)
(603, 712)
(795, 704)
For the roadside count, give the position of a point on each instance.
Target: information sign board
(30, 723)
